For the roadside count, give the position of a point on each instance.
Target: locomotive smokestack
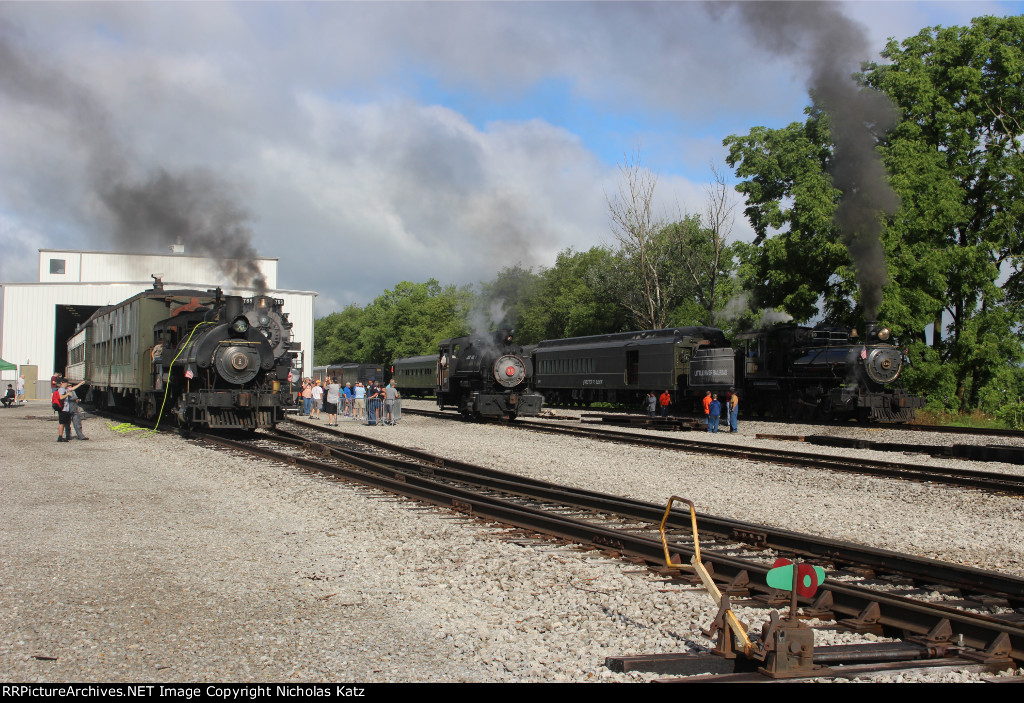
(232, 307)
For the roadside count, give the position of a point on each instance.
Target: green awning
(7, 366)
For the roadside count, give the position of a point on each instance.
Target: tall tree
(701, 255)
(574, 298)
(407, 321)
(336, 337)
(958, 164)
(642, 272)
(791, 204)
(501, 302)
(411, 319)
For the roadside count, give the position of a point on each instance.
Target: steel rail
(897, 612)
(992, 481)
(909, 427)
(921, 569)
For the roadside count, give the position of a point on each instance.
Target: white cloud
(314, 113)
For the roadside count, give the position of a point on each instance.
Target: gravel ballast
(139, 557)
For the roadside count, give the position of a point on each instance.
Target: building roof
(182, 255)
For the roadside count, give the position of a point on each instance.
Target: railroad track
(860, 587)
(986, 480)
(628, 417)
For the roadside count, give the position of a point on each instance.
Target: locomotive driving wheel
(183, 414)
(147, 406)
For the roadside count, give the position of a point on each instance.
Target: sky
(367, 143)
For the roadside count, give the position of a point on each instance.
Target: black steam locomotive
(486, 376)
(203, 358)
(784, 371)
(824, 372)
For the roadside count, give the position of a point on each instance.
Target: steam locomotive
(485, 376)
(785, 371)
(203, 358)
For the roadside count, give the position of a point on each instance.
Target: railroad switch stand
(786, 645)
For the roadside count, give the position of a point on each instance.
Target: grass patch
(976, 419)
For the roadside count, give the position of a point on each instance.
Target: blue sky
(368, 143)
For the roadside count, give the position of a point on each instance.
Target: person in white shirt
(360, 401)
(318, 400)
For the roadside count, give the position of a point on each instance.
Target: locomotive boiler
(486, 376)
(199, 357)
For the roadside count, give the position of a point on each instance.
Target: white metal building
(36, 319)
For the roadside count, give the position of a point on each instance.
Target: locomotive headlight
(883, 334)
(240, 325)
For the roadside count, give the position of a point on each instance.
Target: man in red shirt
(665, 401)
(707, 409)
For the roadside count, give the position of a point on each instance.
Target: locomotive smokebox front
(509, 370)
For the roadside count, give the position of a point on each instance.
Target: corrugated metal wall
(103, 267)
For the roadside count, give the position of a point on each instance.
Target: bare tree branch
(634, 227)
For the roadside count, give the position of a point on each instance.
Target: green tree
(668, 272)
(574, 299)
(407, 321)
(336, 337)
(501, 302)
(411, 319)
(704, 257)
(798, 259)
(957, 164)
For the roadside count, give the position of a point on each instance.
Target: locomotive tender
(486, 376)
(620, 367)
(202, 357)
(784, 370)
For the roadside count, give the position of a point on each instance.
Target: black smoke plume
(193, 208)
(832, 46)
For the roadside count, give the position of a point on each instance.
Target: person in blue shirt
(715, 414)
(347, 392)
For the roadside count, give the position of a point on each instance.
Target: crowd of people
(714, 409)
(369, 402)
